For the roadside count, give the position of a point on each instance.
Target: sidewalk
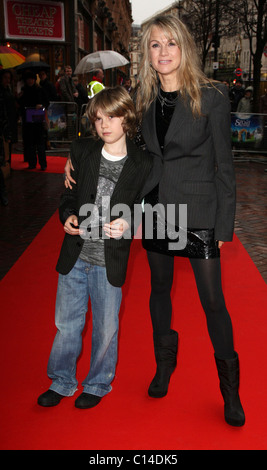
(34, 197)
(251, 211)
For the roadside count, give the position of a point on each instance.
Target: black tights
(208, 280)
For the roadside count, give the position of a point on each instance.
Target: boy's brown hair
(113, 101)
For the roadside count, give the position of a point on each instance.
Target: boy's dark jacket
(85, 157)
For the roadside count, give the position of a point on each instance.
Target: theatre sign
(34, 20)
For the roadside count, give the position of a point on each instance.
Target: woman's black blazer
(196, 164)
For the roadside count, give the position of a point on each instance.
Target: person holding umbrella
(48, 86)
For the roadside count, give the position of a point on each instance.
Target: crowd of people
(29, 105)
(241, 98)
(38, 93)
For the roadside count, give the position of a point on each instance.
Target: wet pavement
(251, 211)
(34, 197)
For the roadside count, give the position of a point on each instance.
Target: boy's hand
(116, 228)
(68, 177)
(70, 229)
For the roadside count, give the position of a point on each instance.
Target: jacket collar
(149, 130)
(132, 150)
(93, 164)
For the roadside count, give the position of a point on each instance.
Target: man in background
(68, 91)
(48, 86)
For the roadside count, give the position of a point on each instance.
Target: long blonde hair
(190, 75)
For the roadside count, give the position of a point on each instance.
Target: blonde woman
(186, 127)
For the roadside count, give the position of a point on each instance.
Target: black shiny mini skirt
(187, 243)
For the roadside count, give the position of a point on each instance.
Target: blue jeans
(74, 289)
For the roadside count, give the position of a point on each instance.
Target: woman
(186, 127)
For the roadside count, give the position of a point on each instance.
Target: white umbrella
(100, 60)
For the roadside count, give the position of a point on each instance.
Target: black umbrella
(36, 66)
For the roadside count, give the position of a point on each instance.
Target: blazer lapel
(129, 169)
(178, 117)
(91, 169)
(149, 130)
(92, 165)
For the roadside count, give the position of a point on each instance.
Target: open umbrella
(32, 65)
(10, 58)
(100, 59)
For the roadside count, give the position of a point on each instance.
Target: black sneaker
(49, 398)
(86, 400)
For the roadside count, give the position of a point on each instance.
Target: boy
(111, 169)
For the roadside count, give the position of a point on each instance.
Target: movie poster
(247, 131)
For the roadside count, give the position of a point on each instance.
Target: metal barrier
(249, 133)
(84, 125)
(66, 123)
(63, 124)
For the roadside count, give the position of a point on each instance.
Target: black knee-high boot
(165, 348)
(228, 371)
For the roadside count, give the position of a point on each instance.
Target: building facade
(233, 54)
(62, 32)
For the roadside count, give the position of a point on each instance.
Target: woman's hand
(220, 244)
(116, 228)
(70, 225)
(68, 177)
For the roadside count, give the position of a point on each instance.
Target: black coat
(31, 96)
(50, 89)
(85, 158)
(196, 165)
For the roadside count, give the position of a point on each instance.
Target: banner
(57, 121)
(62, 120)
(34, 20)
(248, 131)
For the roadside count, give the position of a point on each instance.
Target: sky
(143, 9)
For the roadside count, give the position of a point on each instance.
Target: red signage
(238, 72)
(31, 19)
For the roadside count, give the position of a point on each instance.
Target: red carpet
(189, 418)
(55, 164)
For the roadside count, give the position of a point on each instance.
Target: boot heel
(228, 371)
(165, 348)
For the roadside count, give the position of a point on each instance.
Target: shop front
(39, 31)
(61, 32)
